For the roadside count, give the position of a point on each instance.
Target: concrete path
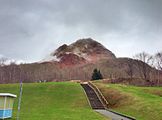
(112, 115)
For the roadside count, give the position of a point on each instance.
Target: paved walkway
(112, 115)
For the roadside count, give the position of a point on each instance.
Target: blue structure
(6, 105)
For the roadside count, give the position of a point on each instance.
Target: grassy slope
(52, 101)
(144, 103)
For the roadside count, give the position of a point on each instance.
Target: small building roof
(8, 95)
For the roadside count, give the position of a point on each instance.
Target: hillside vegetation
(52, 101)
(77, 62)
(143, 103)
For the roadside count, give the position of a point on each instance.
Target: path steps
(97, 105)
(93, 98)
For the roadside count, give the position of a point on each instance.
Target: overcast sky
(31, 29)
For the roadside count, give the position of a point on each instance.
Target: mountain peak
(84, 50)
(85, 41)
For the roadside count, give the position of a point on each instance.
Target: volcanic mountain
(80, 52)
(77, 62)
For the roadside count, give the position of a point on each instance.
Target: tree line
(149, 73)
(143, 65)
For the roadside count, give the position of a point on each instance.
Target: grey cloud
(29, 29)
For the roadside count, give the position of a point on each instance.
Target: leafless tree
(130, 70)
(158, 59)
(143, 66)
(2, 61)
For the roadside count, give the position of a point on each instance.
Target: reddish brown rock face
(71, 59)
(81, 52)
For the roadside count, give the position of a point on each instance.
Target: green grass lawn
(52, 101)
(143, 103)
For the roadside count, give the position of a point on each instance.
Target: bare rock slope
(80, 52)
